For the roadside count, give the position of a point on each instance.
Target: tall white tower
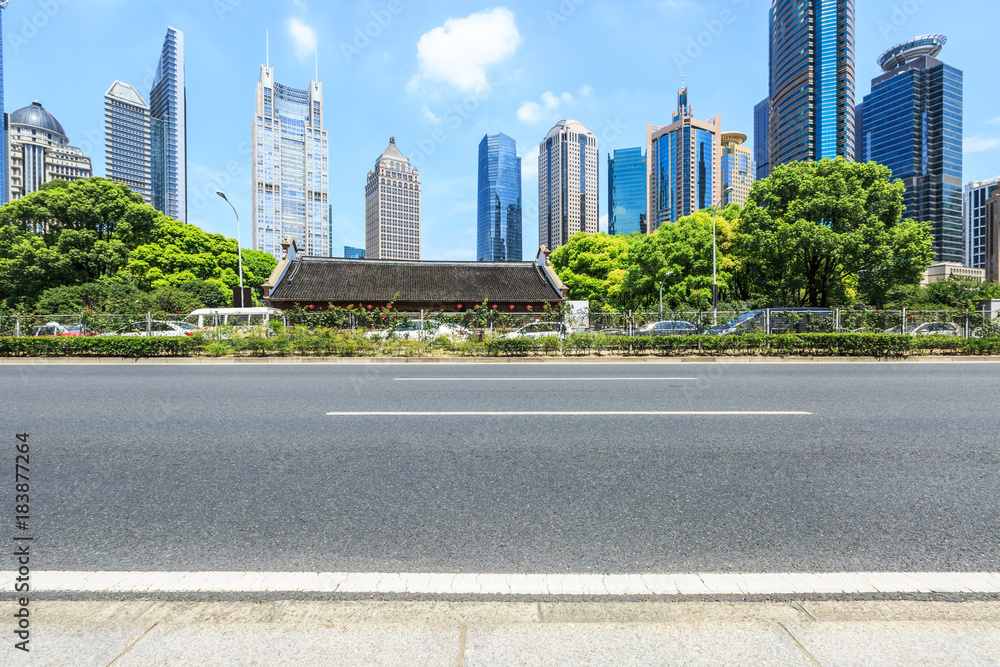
(567, 184)
(291, 171)
(392, 208)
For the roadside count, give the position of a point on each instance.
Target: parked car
(936, 329)
(541, 330)
(56, 329)
(783, 321)
(156, 328)
(668, 328)
(414, 330)
(746, 323)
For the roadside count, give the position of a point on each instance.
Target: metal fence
(944, 322)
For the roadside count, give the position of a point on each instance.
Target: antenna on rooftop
(267, 37)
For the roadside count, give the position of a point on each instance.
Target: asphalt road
(240, 467)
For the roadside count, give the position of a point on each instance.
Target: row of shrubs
(335, 344)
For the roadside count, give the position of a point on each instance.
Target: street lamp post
(239, 242)
(715, 275)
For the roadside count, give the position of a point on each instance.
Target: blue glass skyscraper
(812, 80)
(168, 106)
(627, 191)
(913, 125)
(498, 228)
(761, 138)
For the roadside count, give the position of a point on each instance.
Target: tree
(594, 267)
(822, 233)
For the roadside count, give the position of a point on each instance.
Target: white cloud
(529, 165)
(534, 112)
(993, 121)
(459, 52)
(430, 115)
(980, 144)
(304, 36)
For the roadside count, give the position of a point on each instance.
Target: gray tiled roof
(314, 279)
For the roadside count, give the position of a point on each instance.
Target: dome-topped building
(39, 148)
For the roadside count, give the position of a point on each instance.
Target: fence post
(17, 327)
(967, 325)
(902, 327)
(149, 324)
(767, 319)
(836, 321)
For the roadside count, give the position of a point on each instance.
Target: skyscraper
(761, 138)
(4, 174)
(627, 191)
(568, 199)
(168, 104)
(687, 165)
(127, 153)
(812, 80)
(913, 125)
(738, 168)
(291, 177)
(392, 208)
(498, 230)
(353, 253)
(974, 220)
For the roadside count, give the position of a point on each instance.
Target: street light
(239, 243)
(715, 275)
(669, 273)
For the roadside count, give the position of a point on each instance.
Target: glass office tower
(761, 138)
(291, 168)
(687, 166)
(568, 199)
(627, 191)
(498, 228)
(974, 220)
(168, 104)
(127, 139)
(738, 169)
(811, 80)
(913, 125)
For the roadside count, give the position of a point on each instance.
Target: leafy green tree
(211, 293)
(823, 233)
(171, 300)
(104, 296)
(594, 267)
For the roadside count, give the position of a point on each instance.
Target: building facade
(913, 126)
(738, 168)
(627, 191)
(761, 138)
(499, 214)
(353, 253)
(40, 152)
(392, 208)
(168, 104)
(291, 182)
(811, 80)
(992, 240)
(568, 199)
(687, 166)
(127, 139)
(974, 220)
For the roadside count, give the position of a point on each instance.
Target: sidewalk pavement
(466, 634)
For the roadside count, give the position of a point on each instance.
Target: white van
(235, 317)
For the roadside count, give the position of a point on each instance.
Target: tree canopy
(92, 231)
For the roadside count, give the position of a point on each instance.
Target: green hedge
(335, 344)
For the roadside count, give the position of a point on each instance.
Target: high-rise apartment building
(498, 228)
(811, 80)
(738, 169)
(687, 166)
(627, 191)
(568, 199)
(974, 220)
(4, 171)
(168, 104)
(761, 138)
(40, 152)
(291, 170)
(913, 126)
(127, 153)
(992, 244)
(392, 207)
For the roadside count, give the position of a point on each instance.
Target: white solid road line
(789, 583)
(562, 413)
(546, 379)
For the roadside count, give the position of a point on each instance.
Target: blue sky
(415, 70)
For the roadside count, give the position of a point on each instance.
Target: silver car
(156, 328)
(413, 330)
